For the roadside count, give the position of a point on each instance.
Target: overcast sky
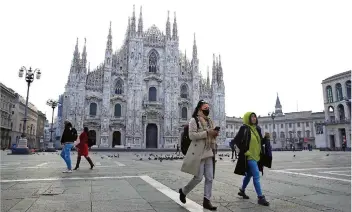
(266, 47)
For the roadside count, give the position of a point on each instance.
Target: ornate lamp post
(29, 78)
(53, 104)
(273, 115)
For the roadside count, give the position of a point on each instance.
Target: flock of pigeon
(160, 157)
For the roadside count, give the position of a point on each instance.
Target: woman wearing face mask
(251, 156)
(199, 158)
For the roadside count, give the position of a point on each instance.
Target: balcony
(152, 104)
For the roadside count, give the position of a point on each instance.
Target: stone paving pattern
(286, 192)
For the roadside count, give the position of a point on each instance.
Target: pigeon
(327, 154)
(140, 158)
(294, 155)
(149, 158)
(220, 158)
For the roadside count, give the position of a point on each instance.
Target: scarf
(206, 124)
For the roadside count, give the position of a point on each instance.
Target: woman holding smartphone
(199, 159)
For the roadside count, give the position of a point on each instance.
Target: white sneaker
(67, 171)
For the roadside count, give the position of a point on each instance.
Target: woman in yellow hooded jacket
(250, 142)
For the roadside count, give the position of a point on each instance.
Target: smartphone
(217, 128)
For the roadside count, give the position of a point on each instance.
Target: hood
(247, 117)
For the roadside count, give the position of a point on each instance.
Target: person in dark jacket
(82, 148)
(251, 156)
(67, 140)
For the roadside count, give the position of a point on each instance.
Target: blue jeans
(252, 171)
(66, 155)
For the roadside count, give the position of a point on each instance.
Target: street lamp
(53, 104)
(273, 115)
(29, 78)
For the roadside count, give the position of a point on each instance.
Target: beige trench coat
(196, 151)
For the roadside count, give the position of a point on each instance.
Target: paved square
(298, 181)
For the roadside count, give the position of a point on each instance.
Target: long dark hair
(85, 129)
(199, 105)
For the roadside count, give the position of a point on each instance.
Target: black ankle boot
(77, 163)
(243, 194)
(262, 201)
(90, 162)
(182, 196)
(207, 205)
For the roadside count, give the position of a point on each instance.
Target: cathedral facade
(143, 93)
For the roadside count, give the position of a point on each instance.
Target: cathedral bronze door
(92, 136)
(116, 138)
(152, 136)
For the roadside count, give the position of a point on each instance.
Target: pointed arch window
(117, 111)
(153, 62)
(329, 94)
(339, 95)
(152, 94)
(119, 87)
(184, 113)
(348, 89)
(93, 109)
(184, 91)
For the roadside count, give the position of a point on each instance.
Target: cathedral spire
(194, 48)
(109, 42)
(220, 74)
(140, 23)
(168, 26)
(76, 55)
(214, 71)
(88, 67)
(278, 107)
(84, 54)
(133, 22)
(174, 29)
(208, 78)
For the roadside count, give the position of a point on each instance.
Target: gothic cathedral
(144, 92)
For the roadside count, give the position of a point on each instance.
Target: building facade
(296, 129)
(31, 125)
(7, 100)
(40, 130)
(144, 92)
(337, 105)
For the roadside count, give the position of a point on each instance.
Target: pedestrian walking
(252, 156)
(178, 149)
(199, 157)
(68, 137)
(82, 148)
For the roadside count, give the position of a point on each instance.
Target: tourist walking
(68, 137)
(252, 156)
(199, 156)
(82, 149)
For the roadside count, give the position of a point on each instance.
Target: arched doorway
(92, 136)
(152, 136)
(116, 138)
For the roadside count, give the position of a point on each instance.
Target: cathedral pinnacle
(214, 71)
(174, 30)
(133, 21)
(109, 42)
(194, 48)
(208, 77)
(84, 54)
(140, 23)
(168, 27)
